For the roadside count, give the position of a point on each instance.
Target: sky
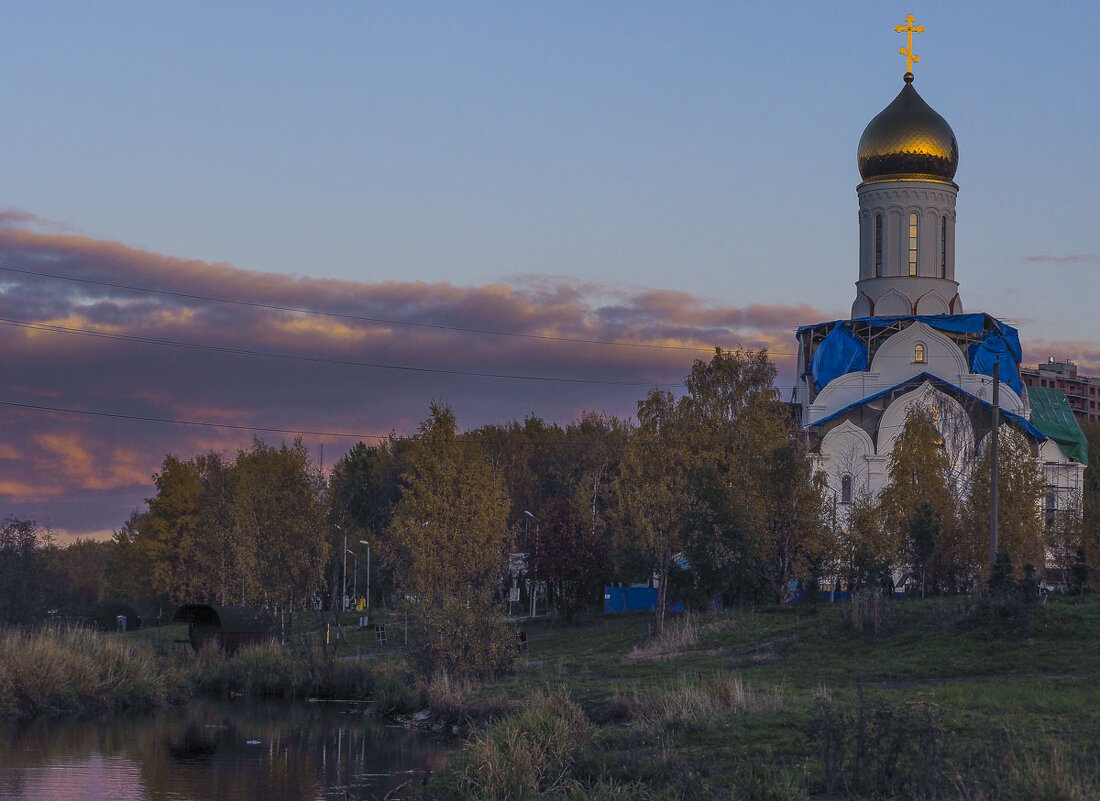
(316, 219)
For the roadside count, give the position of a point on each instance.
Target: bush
(104, 614)
(264, 669)
(880, 749)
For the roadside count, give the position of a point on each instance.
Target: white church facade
(908, 339)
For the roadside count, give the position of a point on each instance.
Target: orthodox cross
(909, 29)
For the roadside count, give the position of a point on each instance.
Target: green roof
(1050, 413)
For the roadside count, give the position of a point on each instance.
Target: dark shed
(229, 626)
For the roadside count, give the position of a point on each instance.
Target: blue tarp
(839, 353)
(1009, 416)
(1000, 343)
(996, 348)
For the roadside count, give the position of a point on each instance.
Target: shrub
(264, 669)
(880, 749)
(522, 756)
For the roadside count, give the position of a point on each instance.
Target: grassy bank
(65, 670)
(929, 700)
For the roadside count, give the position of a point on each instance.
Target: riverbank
(914, 699)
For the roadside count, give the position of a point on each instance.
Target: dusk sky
(473, 199)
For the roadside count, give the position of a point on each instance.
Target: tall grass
(672, 640)
(527, 755)
(687, 703)
(265, 669)
(70, 669)
(1045, 771)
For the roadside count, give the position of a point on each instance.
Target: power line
(356, 317)
(139, 418)
(61, 329)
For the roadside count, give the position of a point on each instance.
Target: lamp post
(344, 583)
(364, 542)
(534, 557)
(355, 576)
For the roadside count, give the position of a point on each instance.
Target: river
(273, 751)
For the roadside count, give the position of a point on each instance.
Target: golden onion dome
(908, 139)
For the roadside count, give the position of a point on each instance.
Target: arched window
(912, 243)
(943, 246)
(878, 246)
(846, 488)
(918, 354)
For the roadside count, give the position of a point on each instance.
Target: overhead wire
(61, 329)
(356, 317)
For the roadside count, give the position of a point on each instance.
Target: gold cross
(909, 29)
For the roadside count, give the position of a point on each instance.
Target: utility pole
(994, 462)
(364, 542)
(534, 582)
(344, 576)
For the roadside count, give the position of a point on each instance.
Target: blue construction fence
(644, 599)
(634, 599)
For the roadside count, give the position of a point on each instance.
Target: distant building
(1082, 392)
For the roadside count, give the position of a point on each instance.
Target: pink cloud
(1077, 258)
(87, 472)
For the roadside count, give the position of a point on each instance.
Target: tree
(24, 578)
(363, 491)
(1020, 513)
(920, 474)
(793, 533)
(170, 530)
(758, 508)
(79, 574)
(570, 555)
(452, 527)
(655, 485)
(924, 540)
(278, 516)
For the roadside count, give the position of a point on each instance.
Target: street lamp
(355, 577)
(344, 583)
(534, 557)
(364, 542)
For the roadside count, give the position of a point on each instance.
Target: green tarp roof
(1050, 413)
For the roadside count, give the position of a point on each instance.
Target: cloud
(369, 365)
(1077, 258)
(1085, 353)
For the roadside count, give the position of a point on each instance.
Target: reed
(71, 669)
(675, 638)
(694, 703)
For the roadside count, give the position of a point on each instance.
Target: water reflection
(214, 752)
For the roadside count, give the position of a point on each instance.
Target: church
(909, 339)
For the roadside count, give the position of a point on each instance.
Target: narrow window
(878, 246)
(943, 247)
(918, 353)
(1052, 509)
(846, 489)
(912, 243)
